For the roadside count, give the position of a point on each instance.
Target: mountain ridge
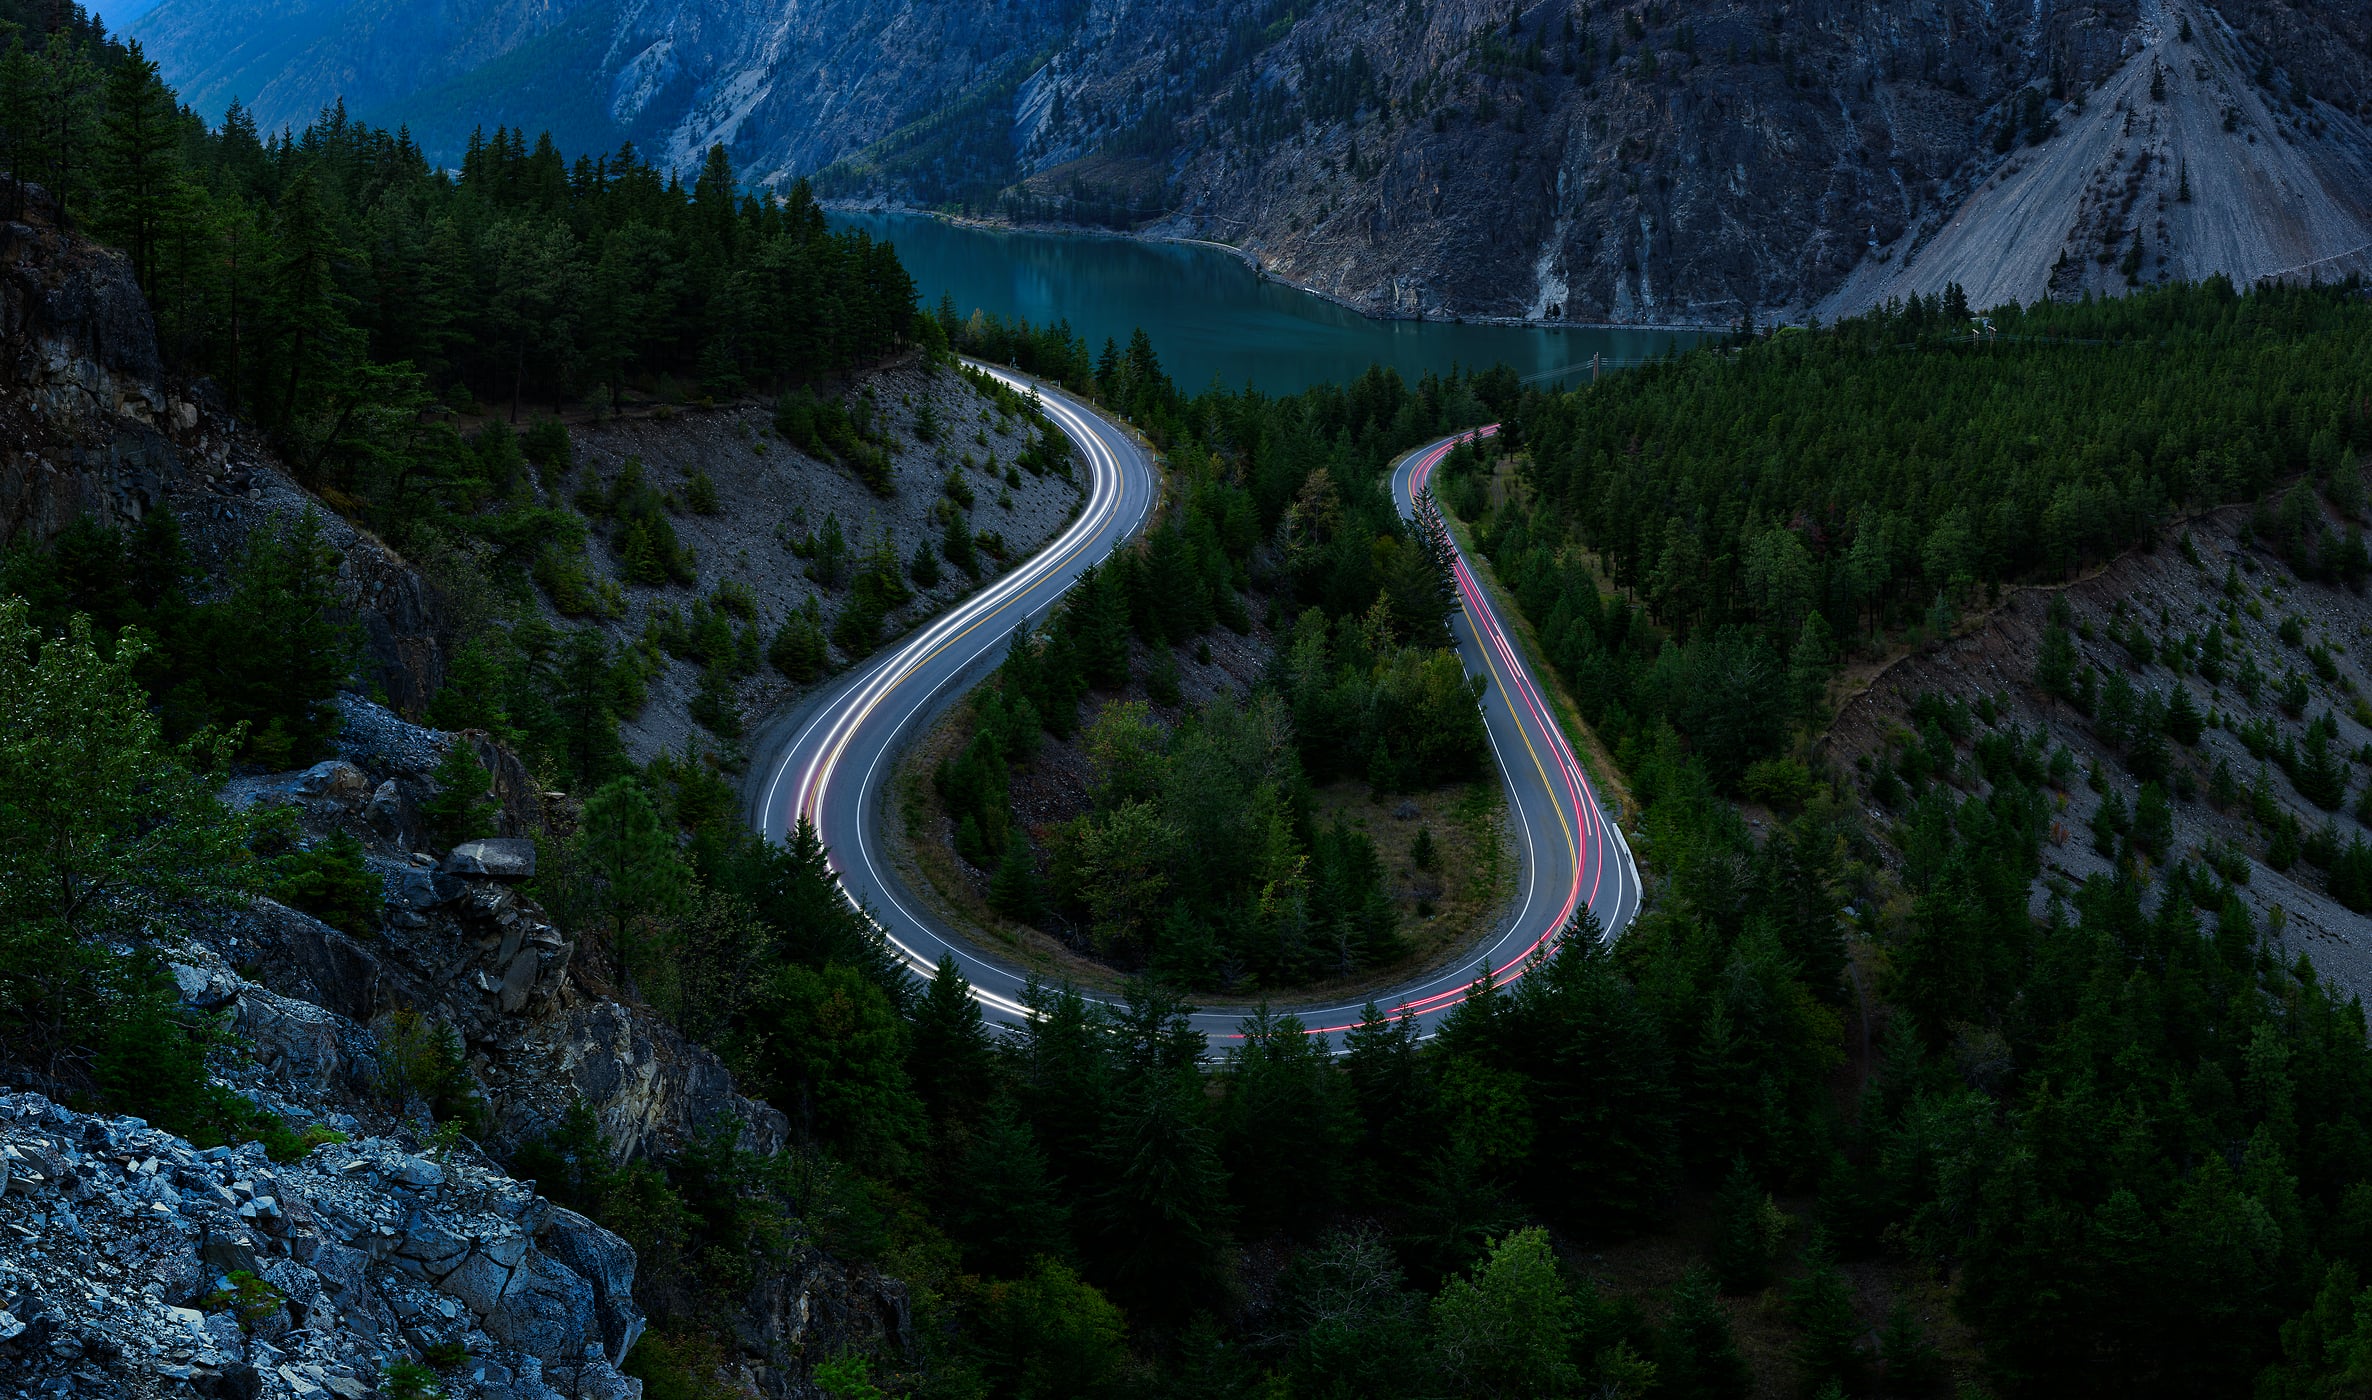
(1682, 162)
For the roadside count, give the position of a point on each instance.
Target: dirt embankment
(770, 498)
(2172, 596)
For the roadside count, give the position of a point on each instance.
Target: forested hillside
(1846, 1112)
(1201, 854)
(1768, 513)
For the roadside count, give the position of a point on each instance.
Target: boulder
(298, 1041)
(500, 857)
(336, 780)
(606, 1262)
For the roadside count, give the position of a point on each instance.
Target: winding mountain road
(833, 763)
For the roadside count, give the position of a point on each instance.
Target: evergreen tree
(954, 1066)
(583, 712)
(1014, 890)
(1002, 1202)
(798, 648)
(632, 874)
(1283, 1126)
(138, 163)
(463, 807)
(1820, 1303)
(1700, 1357)
(828, 1048)
(1160, 1226)
(68, 90)
(475, 692)
(1914, 1369)
(280, 649)
(331, 882)
(22, 136)
(306, 307)
(1748, 1233)
(1066, 1085)
(1606, 1151)
(2153, 822)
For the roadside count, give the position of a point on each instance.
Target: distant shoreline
(1250, 260)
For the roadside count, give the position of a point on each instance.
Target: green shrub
(250, 1301)
(463, 808)
(331, 882)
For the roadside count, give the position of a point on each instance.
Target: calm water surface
(1210, 316)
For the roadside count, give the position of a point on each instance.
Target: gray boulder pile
(137, 1265)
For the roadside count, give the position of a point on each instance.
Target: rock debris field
(139, 1265)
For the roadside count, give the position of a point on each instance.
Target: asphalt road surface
(834, 761)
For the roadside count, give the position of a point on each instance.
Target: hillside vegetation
(1768, 512)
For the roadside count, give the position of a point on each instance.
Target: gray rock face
(504, 858)
(462, 946)
(1681, 163)
(119, 1242)
(91, 424)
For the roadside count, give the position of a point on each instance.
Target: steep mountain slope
(2180, 148)
(1684, 161)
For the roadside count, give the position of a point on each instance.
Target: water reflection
(1213, 318)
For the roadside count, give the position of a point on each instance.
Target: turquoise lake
(1212, 317)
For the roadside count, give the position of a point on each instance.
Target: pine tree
(1606, 1149)
(1808, 666)
(2153, 822)
(22, 136)
(2184, 723)
(1391, 1100)
(954, 1065)
(308, 309)
(1748, 1232)
(1161, 1224)
(1700, 1357)
(1014, 891)
(277, 653)
(138, 162)
(474, 692)
(1820, 1303)
(631, 870)
(582, 707)
(955, 541)
(798, 648)
(1100, 621)
(463, 807)
(68, 86)
(2054, 666)
(1002, 1202)
(1283, 1125)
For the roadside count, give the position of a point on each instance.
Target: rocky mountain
(1684, 161)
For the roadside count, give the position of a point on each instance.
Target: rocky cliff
(1686, 161)
(92, 424)
(134, 1264)
(140, 1266)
